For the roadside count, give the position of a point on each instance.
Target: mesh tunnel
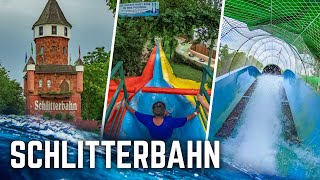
(260, 33)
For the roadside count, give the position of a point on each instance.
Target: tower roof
(79, 62)
(30, 61)
(52, 14)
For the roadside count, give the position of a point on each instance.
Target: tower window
(64, 50)
(65, 31)
(54, 30)
(53, 48)
(48, 83)
(41, 51)
(40, 83)
(64, 86)
(41, 31)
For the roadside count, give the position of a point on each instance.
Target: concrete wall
(305, 106)
(229, 89)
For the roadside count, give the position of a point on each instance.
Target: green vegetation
(234, 60)
(96, 64)
(182, 68)
(314, 81)
(58, 116)
(11, 95)
(179, 17)
(69, 117)
(47, 115)
(186, 72)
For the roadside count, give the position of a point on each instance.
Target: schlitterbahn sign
(139, 9)
(53, 106)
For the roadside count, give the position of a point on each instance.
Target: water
(257, 143)
(25, 128)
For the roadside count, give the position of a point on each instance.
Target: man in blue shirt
(160, 125)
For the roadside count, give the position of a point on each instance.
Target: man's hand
(203, 102)
(200, 98)
(130, 109)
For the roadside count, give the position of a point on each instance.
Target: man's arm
(191, 116)
(130, 109)
(203, 102)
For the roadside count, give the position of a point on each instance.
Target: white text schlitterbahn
(53, 106)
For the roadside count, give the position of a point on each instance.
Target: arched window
(40, 83)
(64, 50)
(48, 83)
(64, 86)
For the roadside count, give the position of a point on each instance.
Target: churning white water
(255, 143)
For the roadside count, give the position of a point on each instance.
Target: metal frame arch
(240, 48)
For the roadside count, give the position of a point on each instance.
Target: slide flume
(177, 105)
(262, 128)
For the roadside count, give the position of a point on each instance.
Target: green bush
(69, 117)
(47, 115)
(58, 116)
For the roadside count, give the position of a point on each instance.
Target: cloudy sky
(91, 20)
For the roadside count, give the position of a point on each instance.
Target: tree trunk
(211, 52)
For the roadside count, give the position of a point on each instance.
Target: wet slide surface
(260, 141)
(177, 105)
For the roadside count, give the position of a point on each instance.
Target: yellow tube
(176, 82)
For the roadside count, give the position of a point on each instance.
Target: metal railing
(112, 131)
(206, 73)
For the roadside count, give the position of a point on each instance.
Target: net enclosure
(262, 32)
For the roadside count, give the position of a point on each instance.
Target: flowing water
(25, 128)
(257, 143)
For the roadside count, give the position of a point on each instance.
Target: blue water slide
(305, 106)
(177, 105)
(229, 89)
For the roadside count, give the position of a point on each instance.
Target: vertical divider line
(215, 68)
(109, 70)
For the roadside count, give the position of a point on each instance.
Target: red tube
(181, 91)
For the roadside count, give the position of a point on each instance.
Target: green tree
(11, 95)
(179, 17)
(96, 64)
(130, 41)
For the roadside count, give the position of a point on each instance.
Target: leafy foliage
(11, 95)
(47, 115)
(179, 17)
(69, 117)
(234, 60)
(58, 116)
(96, 65)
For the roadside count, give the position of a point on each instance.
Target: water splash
(254, 145)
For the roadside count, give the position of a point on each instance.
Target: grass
(182, 70)
(312, 80)
(186, 72)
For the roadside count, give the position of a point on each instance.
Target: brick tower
(51, 84)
